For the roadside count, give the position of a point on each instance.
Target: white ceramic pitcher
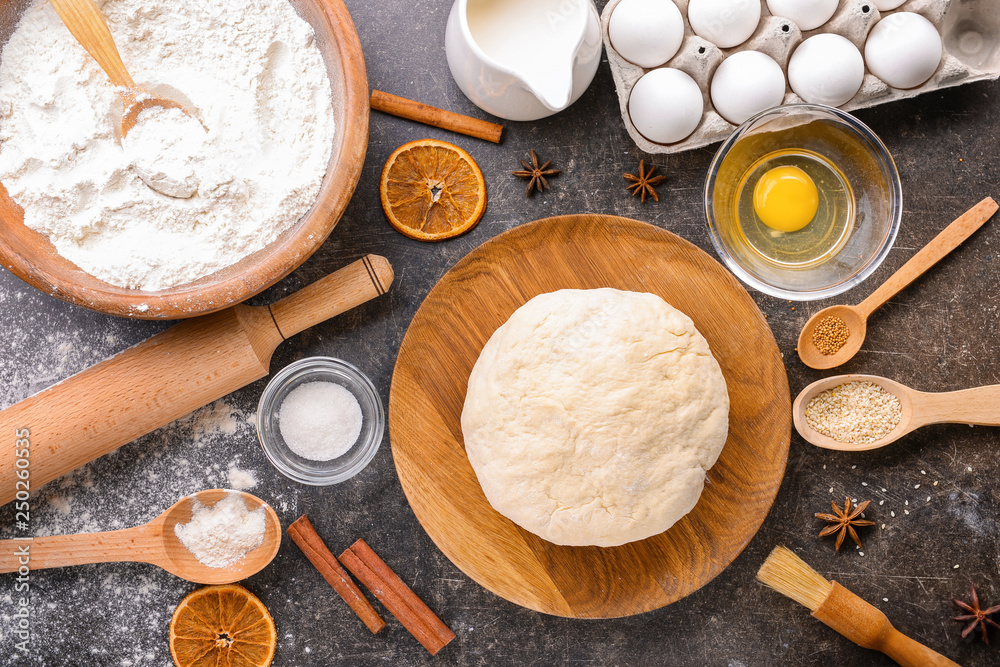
(523, 59)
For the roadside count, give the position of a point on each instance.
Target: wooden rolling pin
(155, 382)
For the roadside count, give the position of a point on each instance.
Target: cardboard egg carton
(970, 32)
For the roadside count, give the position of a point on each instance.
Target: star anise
(843, 522)
(536, 173)
(976, 615)
(643, 184)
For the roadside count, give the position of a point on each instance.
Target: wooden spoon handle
(342, 290)
(980, 406)
(87, 24)
(138, 545)
(950, 238)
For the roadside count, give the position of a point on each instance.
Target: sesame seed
(854, 412)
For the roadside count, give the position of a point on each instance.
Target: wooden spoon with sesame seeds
(834, 335)
(979, 406)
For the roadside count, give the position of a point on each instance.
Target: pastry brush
(844, 611)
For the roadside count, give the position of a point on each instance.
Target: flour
(175, 200)
(224, 533)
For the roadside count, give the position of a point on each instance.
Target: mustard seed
(830, 334)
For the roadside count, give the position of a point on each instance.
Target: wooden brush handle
(950, 238)
(351, 286)
(87, 25)
(137, 545)
(866, 626)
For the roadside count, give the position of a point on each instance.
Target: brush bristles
(792, 577)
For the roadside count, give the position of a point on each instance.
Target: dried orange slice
(222, 626)
(432, 190)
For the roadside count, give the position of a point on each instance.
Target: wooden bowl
(31, 256)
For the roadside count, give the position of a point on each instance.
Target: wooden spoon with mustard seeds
(979, 406)
(823, 344)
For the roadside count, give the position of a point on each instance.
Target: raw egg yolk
(785, 199)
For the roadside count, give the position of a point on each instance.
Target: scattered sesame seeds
(956, 566)
(885, 599)
(916, 486)
(864, 483)
(881, 502)
(854, 412)
(830, 334)
(923, 472)
(892, 514)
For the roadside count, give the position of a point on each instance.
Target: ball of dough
(592, 416)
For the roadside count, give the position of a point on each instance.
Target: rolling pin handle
(342, 290)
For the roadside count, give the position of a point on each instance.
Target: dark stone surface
(938, 335)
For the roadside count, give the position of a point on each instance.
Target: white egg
(646, 32)
(745, 84)
(886, 5)
(725, 23)
(665, 105)
(807, 14)
(826, 69)
(903, 50)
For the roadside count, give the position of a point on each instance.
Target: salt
(223, 534)
(320, 421)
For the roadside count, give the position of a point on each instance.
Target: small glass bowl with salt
(320, 421)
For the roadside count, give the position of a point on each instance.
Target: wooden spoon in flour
(87, 25)
(155, 542)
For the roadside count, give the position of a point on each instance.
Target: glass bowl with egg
(320, 421)
(803, 202)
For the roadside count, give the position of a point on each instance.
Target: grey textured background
(938, 335)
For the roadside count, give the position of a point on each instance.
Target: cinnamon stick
(397, 597)
(309, 541)
(428, 115)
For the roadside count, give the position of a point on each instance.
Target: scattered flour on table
(241, 480)
(129, 487)
(172, 202)
(224, 533)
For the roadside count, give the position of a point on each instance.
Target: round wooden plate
(428, 392)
